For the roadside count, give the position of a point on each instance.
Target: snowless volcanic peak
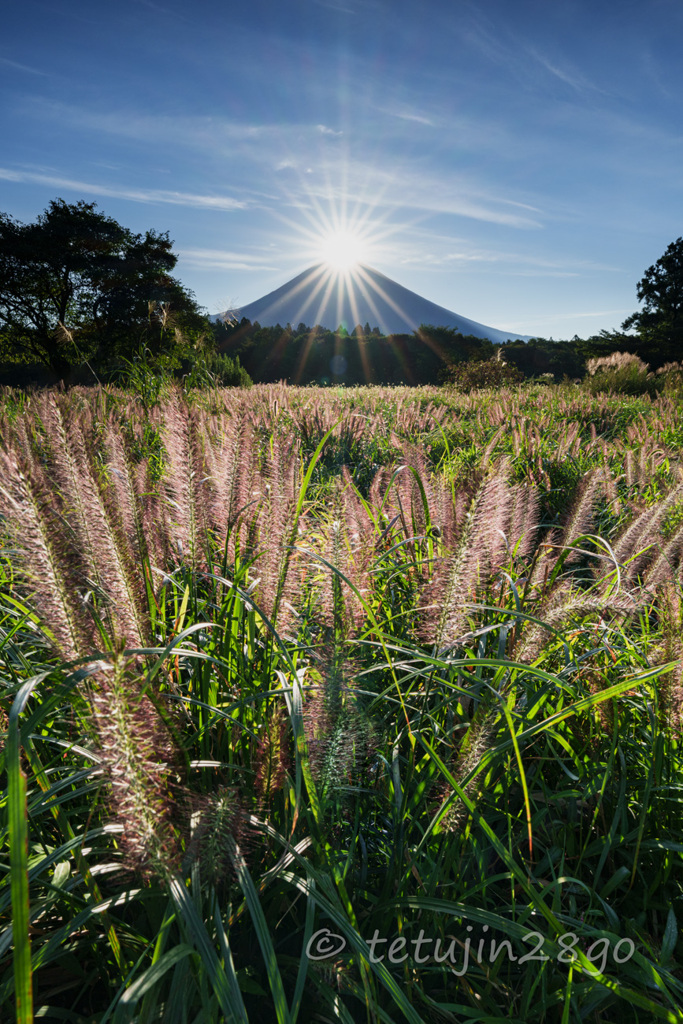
(329, 297)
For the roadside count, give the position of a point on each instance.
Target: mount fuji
(325, 296)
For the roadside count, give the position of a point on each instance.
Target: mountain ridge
(328, 297)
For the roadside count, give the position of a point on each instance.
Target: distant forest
(305, 355)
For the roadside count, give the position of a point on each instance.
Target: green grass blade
(18, 840)
(154, 974)
(262, 933)
(224, 985)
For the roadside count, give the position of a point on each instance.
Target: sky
(519, 163)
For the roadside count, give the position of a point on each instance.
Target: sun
(341, 238)
(342, 250)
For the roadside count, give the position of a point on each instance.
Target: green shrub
(481, 373)
(670, 379)
(620, 373)
(229, 372)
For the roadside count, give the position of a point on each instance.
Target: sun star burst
(342, 250)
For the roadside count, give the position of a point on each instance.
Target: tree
(660, 322)
(452, 346)
(76, 284)
(540, 356)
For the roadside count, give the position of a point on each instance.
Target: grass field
(357, 705)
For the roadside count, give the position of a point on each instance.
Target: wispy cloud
(219, 135)
(16, 66)
(135, 195)
(601, 312)
(512, 51)
(410, 115)
(225, 260)
(399, 181)
(571, 317)
(564, 72)
(404, 184)
(149, 128)
(424, 248)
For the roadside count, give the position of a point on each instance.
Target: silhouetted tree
(660, 322)
(76, 283)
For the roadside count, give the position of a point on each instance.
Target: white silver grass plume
(615, 361)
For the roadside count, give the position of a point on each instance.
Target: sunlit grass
(381, 662)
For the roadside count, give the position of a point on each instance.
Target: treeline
(315, 355)
(305, 355)
(569, 358)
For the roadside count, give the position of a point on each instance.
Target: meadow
(341, 704)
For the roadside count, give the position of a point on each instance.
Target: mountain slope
(322, 295)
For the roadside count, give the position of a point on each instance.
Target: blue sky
(518, 162)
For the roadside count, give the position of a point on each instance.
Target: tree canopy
(660, 322)
(75, 283)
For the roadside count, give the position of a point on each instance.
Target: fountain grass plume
(139, 760)
(333, 742)
(49, 564)
(272, 758)
(635, 545)
(103, 543)
(524, 520)
(218, 820)
(481, 548)
(670, 686)
(579, 519)
(220, 443)
(478, 739)
(563, 603)
(185, 479)
(133, 494)
(340, 738)
(665, 565)
(277, 525)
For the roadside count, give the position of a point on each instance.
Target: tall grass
(297, 684)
